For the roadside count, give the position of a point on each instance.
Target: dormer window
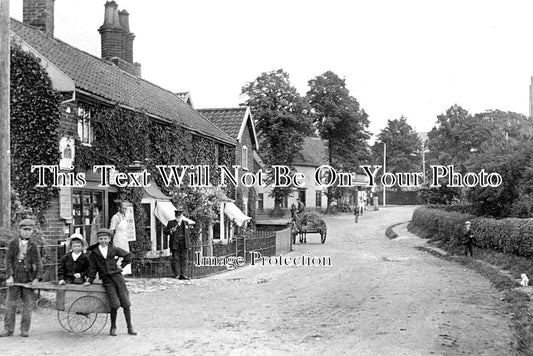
(244, 162)
(85, 129)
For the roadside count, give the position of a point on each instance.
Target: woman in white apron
(120, 227)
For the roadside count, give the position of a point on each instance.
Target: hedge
(458, 208)
(399, 197)
(509, 235)
(438, 224)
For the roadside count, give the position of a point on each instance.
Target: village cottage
(238, 124)
(98, 93)
(307, 161)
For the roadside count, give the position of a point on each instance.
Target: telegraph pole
(384, 168)
(5, 152)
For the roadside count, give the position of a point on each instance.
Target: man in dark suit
(179, 243)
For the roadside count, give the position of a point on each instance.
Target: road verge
(517, 298)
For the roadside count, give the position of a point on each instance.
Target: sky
(410, 58)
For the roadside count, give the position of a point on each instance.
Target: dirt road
(379, 297)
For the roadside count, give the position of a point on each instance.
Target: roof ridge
(61, 41)
(180, 102)
(225, 109)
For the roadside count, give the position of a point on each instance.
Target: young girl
(74, 265)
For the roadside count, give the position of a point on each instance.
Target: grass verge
(390, 233)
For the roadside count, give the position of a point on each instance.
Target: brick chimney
(111, 33)
(39, 14)
(117, 40)
(124, 20)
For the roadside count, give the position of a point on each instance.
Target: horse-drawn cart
(308, 223)
(79, 308)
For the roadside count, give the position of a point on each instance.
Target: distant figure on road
(468, 239)
(357, 212)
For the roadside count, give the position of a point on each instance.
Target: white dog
(525, 281)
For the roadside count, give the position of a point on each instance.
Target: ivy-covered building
(110, 115)
(238, 124)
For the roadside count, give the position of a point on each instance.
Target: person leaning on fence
(74, 265)
(468, 239)
(103, 259)
(23, 265)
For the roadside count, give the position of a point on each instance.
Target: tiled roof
(313, 153)
(104, 79)
(229, 120)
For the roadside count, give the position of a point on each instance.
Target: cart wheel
(62, 317)
(323, 234)
(294, 232)
(82, 316)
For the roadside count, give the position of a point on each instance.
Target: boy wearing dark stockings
(104, 260)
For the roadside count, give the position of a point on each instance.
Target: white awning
(164, 211)
(153, 191)
(234, 213)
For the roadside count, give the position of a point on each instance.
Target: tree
(403, 147)
(282, 121)
(507, 150)
(495, 141)
(341, 121)
(498, 130)
(455, 136)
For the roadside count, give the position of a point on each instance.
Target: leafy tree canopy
(453, 138)
(459, 136)
(281, 116)
(403, 147)
(340, 120)
(282, 120)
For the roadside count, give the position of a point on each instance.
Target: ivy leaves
(35, 118)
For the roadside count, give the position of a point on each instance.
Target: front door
(301, 195)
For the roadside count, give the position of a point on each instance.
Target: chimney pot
(137, 69)
(123, 17)
(109, 14)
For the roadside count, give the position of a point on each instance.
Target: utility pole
(5, 152)
(424, 160)
(384, 169)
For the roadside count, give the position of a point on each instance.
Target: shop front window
(87, 206)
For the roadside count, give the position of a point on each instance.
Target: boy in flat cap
(103, 259)
(468, 239)
(23, 265)
(74, 265)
